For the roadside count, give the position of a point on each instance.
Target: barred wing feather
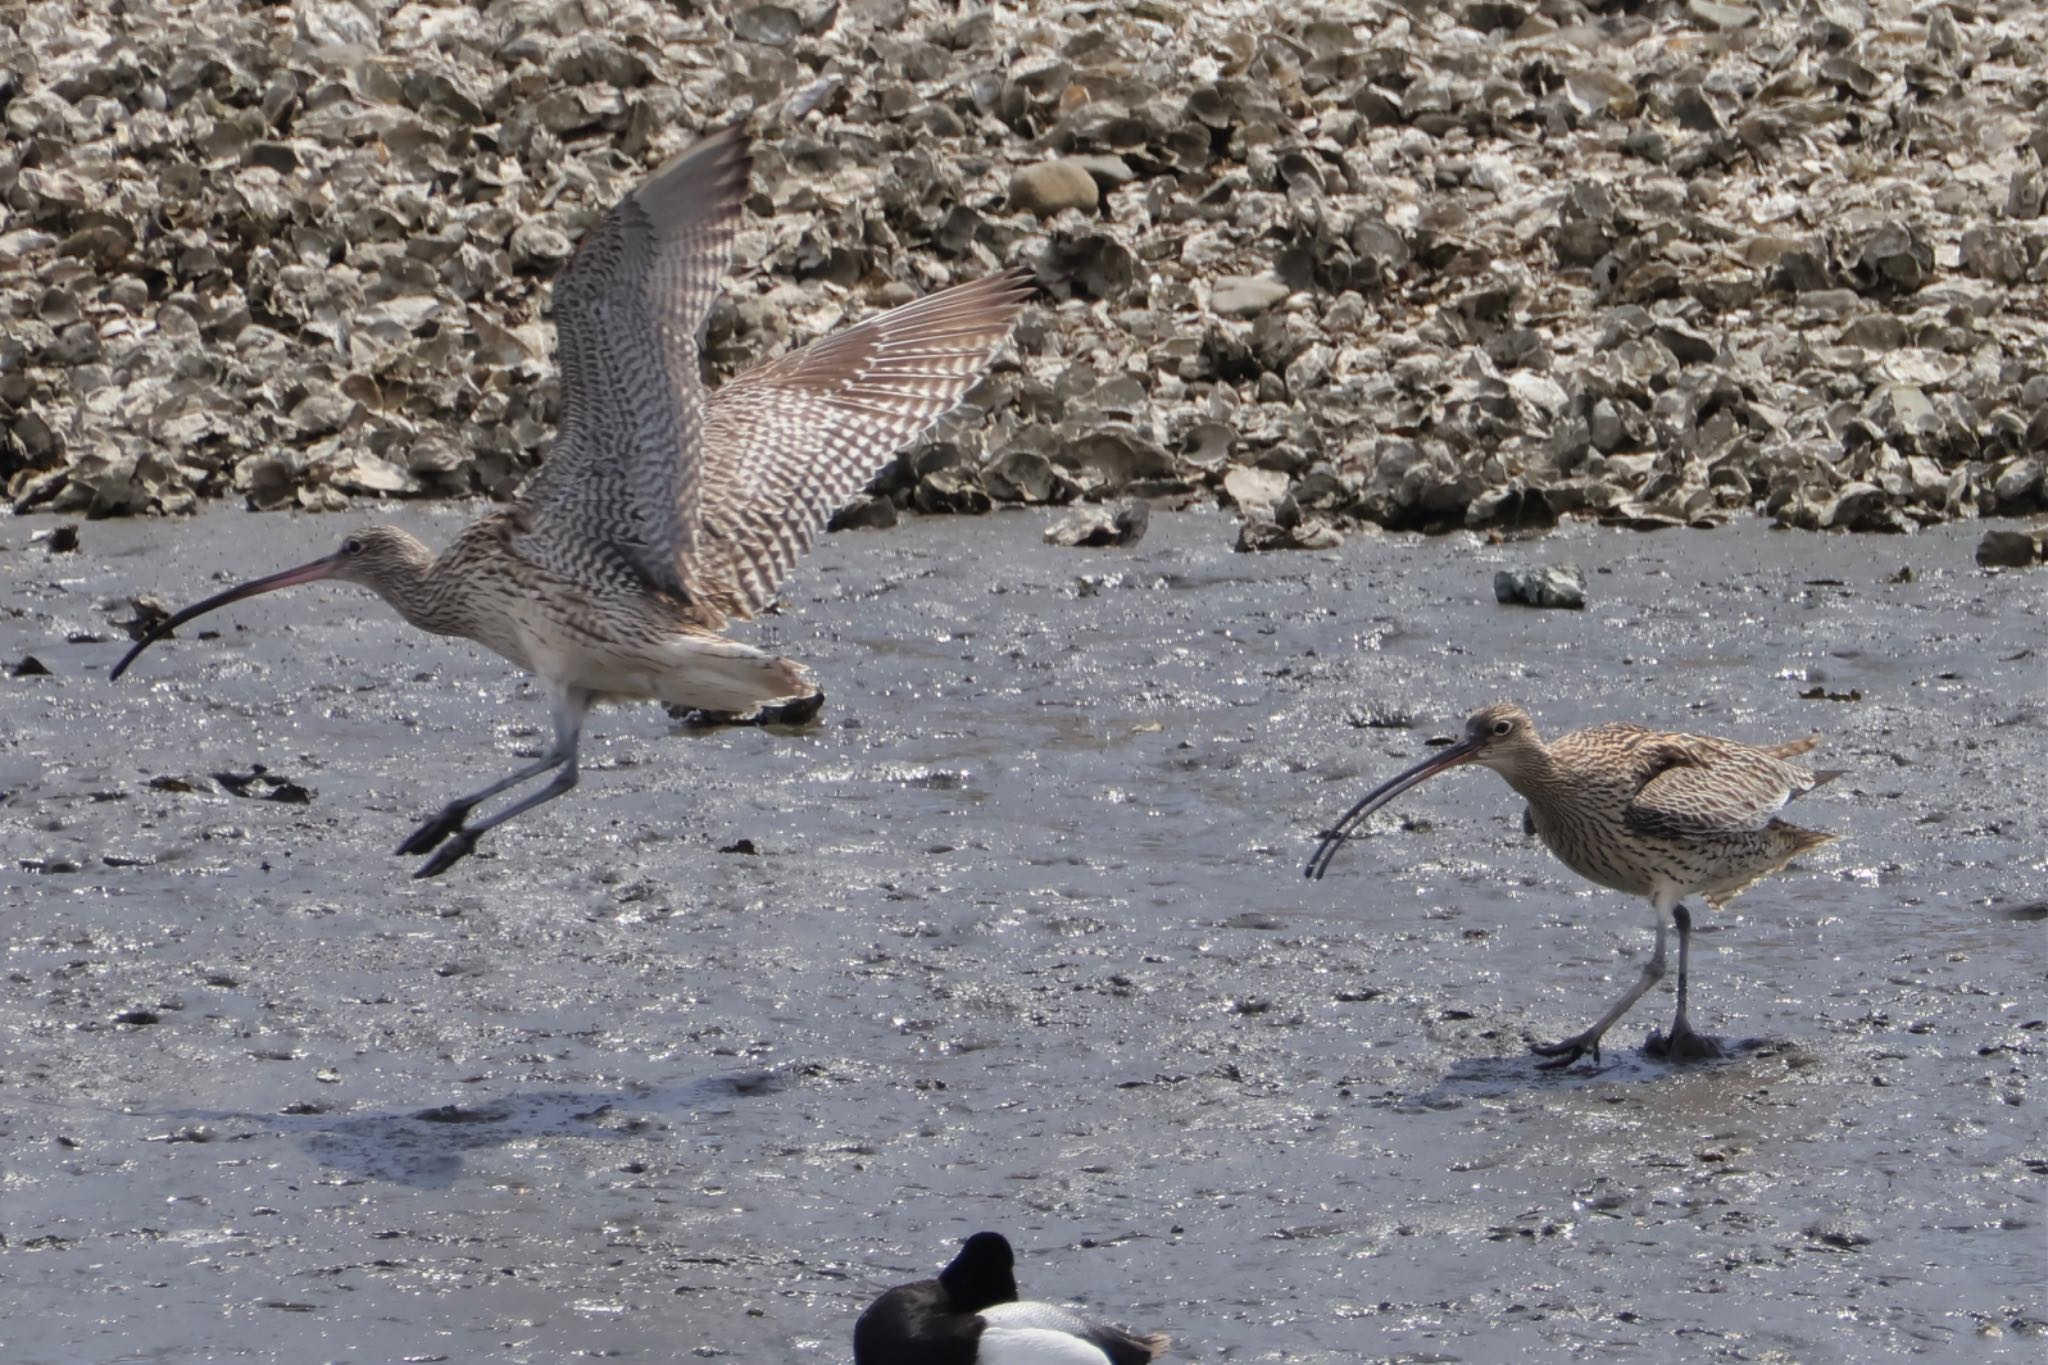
(606, 508)
(1713, 786)
(786, 444)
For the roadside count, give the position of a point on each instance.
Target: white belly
(704, 671)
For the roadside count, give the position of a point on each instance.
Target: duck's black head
(983, 1273)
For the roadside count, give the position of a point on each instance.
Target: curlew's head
(382, 558)
(1500, 737)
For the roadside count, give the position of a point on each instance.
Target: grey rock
(1116, 456)
(1895, 258)
(2020, 487)
(1110, 172)
(1861, 506)
(1587, 229)
(1515, 506)
(1133, 518)
(2012, 549)
(1695, 111)
(952, 490)
(1802, 271)
(323, 411)
(1904, 411)
(1241, 296)
(1688, 346)
(1997, 253)
(540, 247)
(1053, 187)
(769, 25)
(1096, 525)
(1851, 76)
(1309, 533)
(865, 513)
(1609, 429)
(2026, 193)
(1027, 476)
(1092, 265)
(1651, 144)
(1255, 492)
(1208, 444)
(1876, 331)
(1715, 16)
(1556, 585)
(1846, 1231)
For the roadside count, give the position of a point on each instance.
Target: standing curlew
(663, 511)
(970, 1315)
(1662, 816)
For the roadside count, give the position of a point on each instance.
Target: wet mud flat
(1023, 944)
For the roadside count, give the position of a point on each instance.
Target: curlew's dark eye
(351, 546)
(1501, 727)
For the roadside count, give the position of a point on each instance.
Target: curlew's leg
(1579, 1044)
(1683, 1045)
(571, 706)
(449, 818)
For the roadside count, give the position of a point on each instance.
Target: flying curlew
(662, 511)
(1657, 815)
(970, 1315)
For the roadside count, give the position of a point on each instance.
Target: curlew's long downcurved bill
(305, 573)
(1464, 751)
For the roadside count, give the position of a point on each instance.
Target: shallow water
(1024, 946)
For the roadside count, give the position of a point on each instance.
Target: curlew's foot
(1570, 1050)
(435, 830)
(798, 712)
(452, 852)
(1684, 1045)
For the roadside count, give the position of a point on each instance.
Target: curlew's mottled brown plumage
(663, 511)
(1663, 816)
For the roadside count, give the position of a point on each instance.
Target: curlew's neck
(1531, 771)
(411, 581)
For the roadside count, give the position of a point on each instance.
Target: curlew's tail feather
(1823, 776)
(1123, 1346)
(1790, 840)
(697, 670)
(1799, 840)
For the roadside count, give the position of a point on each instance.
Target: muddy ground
(1022, 944)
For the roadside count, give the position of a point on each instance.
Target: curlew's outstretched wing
(607, 506)
(786, 444)
(1697, 785)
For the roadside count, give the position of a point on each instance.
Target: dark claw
(1683, 1046)
(1565, 1053)
(451, 853)
(434, 831)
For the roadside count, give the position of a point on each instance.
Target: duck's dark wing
(915, 1322)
